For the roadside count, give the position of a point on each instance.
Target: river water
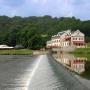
(79, 64)
(35, 73)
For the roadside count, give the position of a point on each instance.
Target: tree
(33, 32)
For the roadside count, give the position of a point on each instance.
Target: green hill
(33, 32)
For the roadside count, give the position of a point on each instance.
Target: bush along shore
(16, 52)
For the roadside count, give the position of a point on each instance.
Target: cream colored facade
(67, 38)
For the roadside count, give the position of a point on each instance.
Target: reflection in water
(76, 64)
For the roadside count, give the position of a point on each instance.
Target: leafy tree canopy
(33, 32)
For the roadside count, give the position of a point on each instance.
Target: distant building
(67, 38)
(18, 47)
(5, 47)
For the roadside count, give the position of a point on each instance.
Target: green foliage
(84, 52)
(16, 52)
(33, 32)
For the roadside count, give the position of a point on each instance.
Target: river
(35, 73)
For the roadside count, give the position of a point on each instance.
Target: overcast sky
(56, 8)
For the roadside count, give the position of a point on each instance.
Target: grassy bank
(84, 52)
(16, 52)
(86, 74)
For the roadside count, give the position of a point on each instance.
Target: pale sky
(56, 8)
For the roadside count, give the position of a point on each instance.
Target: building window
(81, 38)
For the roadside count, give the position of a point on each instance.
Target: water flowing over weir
(50, 75)
(36, 73)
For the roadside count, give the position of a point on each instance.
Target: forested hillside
(33, 32)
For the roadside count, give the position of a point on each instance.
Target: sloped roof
(60, 33)
(63, 32)
(77, 33)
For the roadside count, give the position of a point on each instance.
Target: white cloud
(78, 8)
(13, 13)
(40, 1)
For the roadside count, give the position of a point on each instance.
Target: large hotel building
(67, 38)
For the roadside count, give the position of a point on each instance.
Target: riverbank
(81, 51)
(16, 52)
(84, 52)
